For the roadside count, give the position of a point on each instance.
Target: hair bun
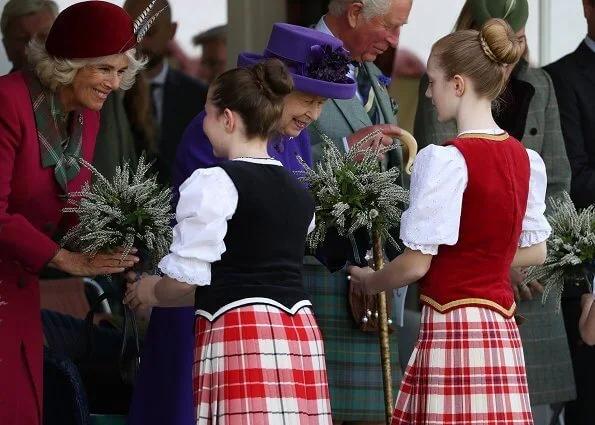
(499, 42)
(274, 78)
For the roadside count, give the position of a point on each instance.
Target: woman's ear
(459, 85)
(229, 120)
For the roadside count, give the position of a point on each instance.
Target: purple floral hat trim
(317, 61)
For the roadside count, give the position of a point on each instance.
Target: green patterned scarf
(59, 142)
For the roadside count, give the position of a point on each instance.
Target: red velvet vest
(475, 271)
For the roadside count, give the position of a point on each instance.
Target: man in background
(214, 52)
(574, 80)
(22, 21)
(164, 100)
(366, 28)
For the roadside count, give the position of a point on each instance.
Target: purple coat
(196, 151)
(164, 393)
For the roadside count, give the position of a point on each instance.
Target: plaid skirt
(352, 356)
(467, 368)
(257, 364)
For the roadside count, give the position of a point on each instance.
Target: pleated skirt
(258, 364)
(467, 368)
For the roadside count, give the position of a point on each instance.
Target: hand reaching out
(523, 292)
(360, 278)
(80, 264)
(141, 293)
(385, 138)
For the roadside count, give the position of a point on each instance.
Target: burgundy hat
(92, 29)
(317, 61)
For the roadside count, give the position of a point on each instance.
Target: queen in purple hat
(318, 64)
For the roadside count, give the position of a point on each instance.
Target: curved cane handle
(409, 141)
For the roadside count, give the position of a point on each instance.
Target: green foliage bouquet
(131, 210)
(570, 248)
(351, 192)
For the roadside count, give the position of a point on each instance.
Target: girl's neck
(475, 114)
(253, 148)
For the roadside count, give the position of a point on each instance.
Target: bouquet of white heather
(131, 210)
(352, 192)
(570, 248)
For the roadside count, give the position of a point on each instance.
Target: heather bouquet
(570, 249)
(130, 210)
(353, 192)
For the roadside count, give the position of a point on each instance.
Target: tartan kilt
(467, 367)
(547, 355)
(352, 356)
(257, 364)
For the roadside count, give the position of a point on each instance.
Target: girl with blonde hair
(476, 209)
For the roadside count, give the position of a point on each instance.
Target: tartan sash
(60, 141)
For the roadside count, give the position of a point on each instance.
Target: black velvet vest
(264, 243)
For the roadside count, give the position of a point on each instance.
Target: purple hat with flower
(317, 61)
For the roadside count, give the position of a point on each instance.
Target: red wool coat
(30, 212)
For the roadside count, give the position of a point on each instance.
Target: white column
(545, 42)
(249, 25)
(562, 27)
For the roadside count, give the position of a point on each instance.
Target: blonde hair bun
(499, 42)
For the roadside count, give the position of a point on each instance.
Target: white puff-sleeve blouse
(438, 181)
(208, 200)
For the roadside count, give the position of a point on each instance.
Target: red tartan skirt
(259, 365)
(467, 368)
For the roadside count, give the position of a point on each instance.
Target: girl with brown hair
(476, 209)
(258, 355)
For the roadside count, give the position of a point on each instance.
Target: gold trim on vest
(508, 313)
(495, 137)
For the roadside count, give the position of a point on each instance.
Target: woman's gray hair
(370, 8)
(54, 72)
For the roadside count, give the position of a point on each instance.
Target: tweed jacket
(543, 133)
(547, 355)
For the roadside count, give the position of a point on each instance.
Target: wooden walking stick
(378, 254)
(383, 332)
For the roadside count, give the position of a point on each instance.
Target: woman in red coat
(49, 118)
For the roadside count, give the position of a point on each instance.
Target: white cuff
(188, 270)
(533, 237)
(424, 249)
